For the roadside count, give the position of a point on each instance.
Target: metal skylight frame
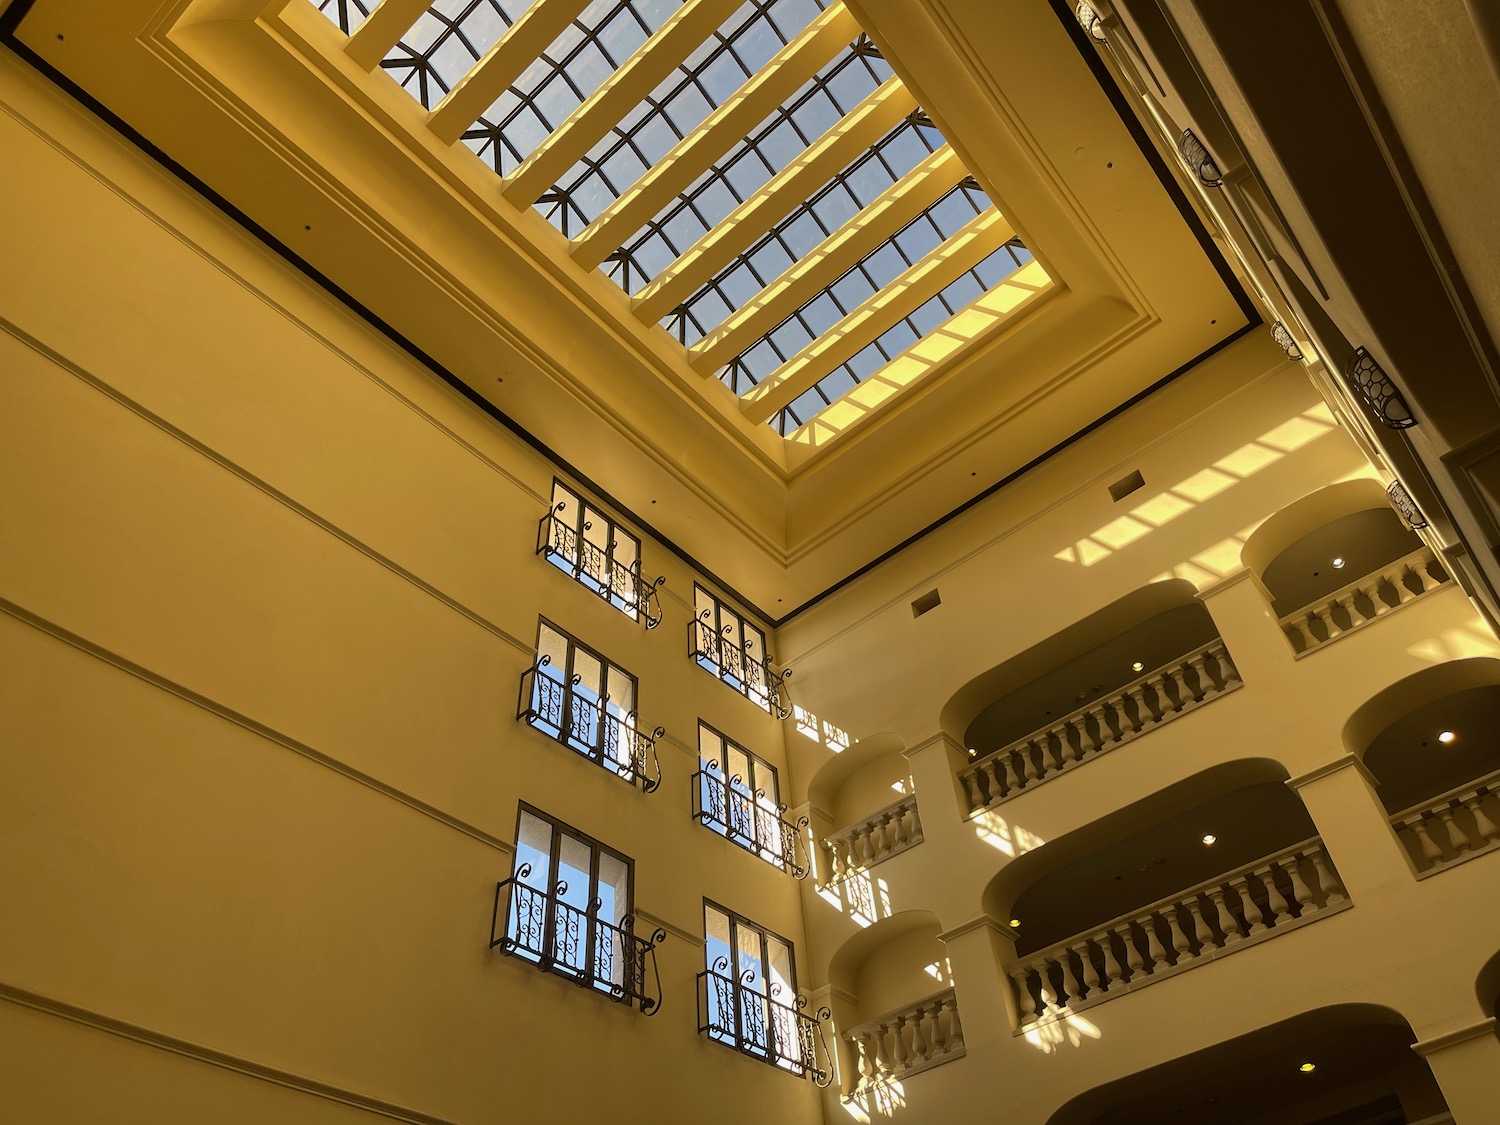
(347, 14)
(838, 87)
(678, 105)
(425, 51)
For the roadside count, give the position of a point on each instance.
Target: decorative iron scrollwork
(588, 725)
(1284, 341)
(1379, 393)
(738, 667)
(758, 1022)
(750, 820)
(595, 566)
(1401, 500)
(1089, 20)
(557, 937)
(1196, 155)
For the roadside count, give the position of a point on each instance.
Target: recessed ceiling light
(1137, 666)
(1014, 922)
(1338, 563)
(1308, 1068)
(1209, 838)
(972, 751)
(1447, 737)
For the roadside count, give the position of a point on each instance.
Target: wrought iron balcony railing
(595, 566)
(557, 937)
(586, 724)
(751, 677)
(751, 820)
(758, 1021)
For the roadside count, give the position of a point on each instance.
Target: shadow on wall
(1351, 1062)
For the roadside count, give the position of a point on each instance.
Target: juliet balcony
(589, 724)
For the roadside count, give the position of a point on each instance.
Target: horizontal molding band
(147, 415)
(222, 1059)
(254, 726)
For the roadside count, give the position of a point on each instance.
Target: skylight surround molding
(445, 42)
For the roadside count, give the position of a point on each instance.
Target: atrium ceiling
(787, 281)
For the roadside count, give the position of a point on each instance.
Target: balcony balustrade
(1454, 827)
(588, 725)
(876, 838)
(908, 1040)
(765, 1023)
(750, 820)
(1363, 601)
(594, 565)
(1159, 696)
(536, 925)
(1279, 892)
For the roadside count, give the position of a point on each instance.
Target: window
(582, 541)
(567, 910)
(576, 697)
(747, 997)
(735, 793)
(724, 643)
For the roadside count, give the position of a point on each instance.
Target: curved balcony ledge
(1158, 697)
(1363, 602)
(1453, 828)
(885, 833)
(1271, 896)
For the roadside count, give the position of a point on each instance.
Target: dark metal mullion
(591, 917)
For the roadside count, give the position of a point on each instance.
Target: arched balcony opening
(1487, 988)
(1432, 744)
(866, 795)
(1147, 659)
(1350, 1063)
(1217, 863)
(1336, 560)
(899, 1008)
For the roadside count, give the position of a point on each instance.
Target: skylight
(753, 176)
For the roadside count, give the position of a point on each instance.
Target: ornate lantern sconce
(1195, 153)
(1378, 392)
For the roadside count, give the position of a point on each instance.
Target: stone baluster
(865, 1052)
(1143, 716)
(1072, 992)
(1227, 923)
(1202, 932)
(1012, 780)
(1092, 741)
(1207, 685)
(916, 821)
(1299, 633)
(993, 785)
(1113, 973)
(1155, 689)
(1333, 629)
(1028, 764)
(1228, 673)
(1424, 575)
(1181, 947)
(1021, 978)
(1458, 840)
(1055, 757)
(955, 1026)
(895, 828)
(883, 1063)
(921, 1048)
(1328, 886)
(1156, 953)
(1431, 853)
(1351, 610)
(1253, 917)
(1306, 903)
(974, 786)
(1281, 909)
(1133, 959)
(1486, 827)
(1177, 680)
(900, 1056)
(1090, 972)
(1044, 984)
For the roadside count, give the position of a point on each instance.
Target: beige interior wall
(897, 972)
(269, 591)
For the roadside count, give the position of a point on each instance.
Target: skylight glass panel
(937, 311)
(843, 197)
(445, 43)
(681, 102)
(781, 138)
(863, 280)
(347, 14)
(572, 68)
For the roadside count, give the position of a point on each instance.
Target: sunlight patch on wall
(1222, 558)
(1066, 1030)
(877, 1099)
(1004, 837)
(1457, 643)
(820, 730)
